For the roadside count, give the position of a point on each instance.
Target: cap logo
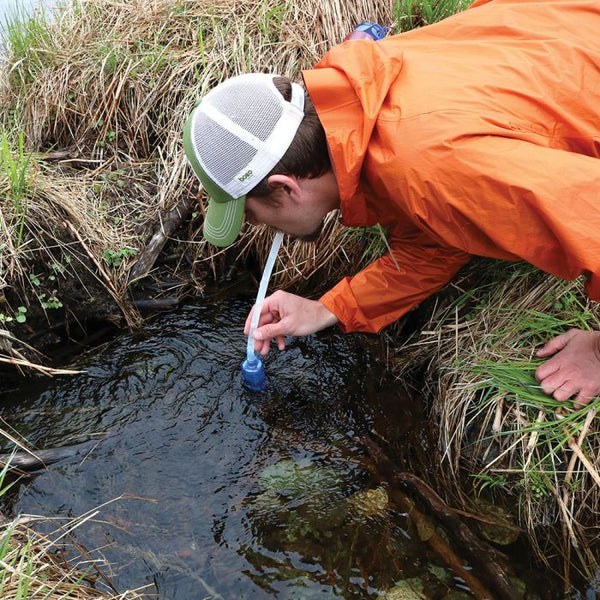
(245, 176)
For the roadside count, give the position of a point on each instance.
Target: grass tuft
(411, 14)
(15, 177)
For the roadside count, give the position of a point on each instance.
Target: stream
(206, 490)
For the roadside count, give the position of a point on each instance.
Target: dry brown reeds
(36, 565)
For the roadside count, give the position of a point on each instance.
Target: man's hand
(286, 314)
(574, 369)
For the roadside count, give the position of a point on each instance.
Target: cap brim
(223, 221)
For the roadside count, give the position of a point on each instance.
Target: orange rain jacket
(478, 135)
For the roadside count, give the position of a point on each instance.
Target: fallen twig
(45, 370)
(487, 560)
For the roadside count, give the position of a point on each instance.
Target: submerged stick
(483, 556)
(30, 461)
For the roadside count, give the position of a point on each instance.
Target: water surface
(218, 492)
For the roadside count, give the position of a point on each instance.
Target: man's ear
(286, 184)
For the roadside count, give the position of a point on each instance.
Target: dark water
(217, 492)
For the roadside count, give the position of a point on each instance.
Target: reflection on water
(223, 493)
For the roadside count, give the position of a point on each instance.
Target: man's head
(242, 132)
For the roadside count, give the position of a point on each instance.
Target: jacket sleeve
(393, 285)
(489, 196)
(516, 199)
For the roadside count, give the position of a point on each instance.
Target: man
(479, 135)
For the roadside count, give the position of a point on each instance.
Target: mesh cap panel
(239, 131)
(255, 110)
(240, 155)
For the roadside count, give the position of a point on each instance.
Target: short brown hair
(308, 156)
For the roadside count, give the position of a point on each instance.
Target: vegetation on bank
(101, 219)
(500, 436)
(92, 167)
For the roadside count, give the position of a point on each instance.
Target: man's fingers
(248, 322)
(263, 347)
(564, 392)
(562, 389)
(556, 344)
(268, 331)
(551, 383)
(582, 399)
(265, 319)
(574, 369)
(263, 338)
(546, 370)
(558, 386)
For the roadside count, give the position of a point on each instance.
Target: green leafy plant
(19, 316)
(411, 14)
(49, 302)
(503, 374)
(489, 481)
(115, 257)
(30, 567)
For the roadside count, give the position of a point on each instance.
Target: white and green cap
(234, 137)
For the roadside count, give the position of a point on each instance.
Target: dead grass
(101, 93)
(36, 565)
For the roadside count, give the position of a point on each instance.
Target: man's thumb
(270, 331)
(556, 344)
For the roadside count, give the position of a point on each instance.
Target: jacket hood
(348, 88)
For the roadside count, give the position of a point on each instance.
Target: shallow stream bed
(209, 491)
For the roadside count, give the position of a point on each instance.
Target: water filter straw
(262, 291)
(253, 374)
(253, 369)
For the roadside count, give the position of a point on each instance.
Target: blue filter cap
(253, 372)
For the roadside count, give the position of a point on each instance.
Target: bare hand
(287, 314)
(574, 370)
